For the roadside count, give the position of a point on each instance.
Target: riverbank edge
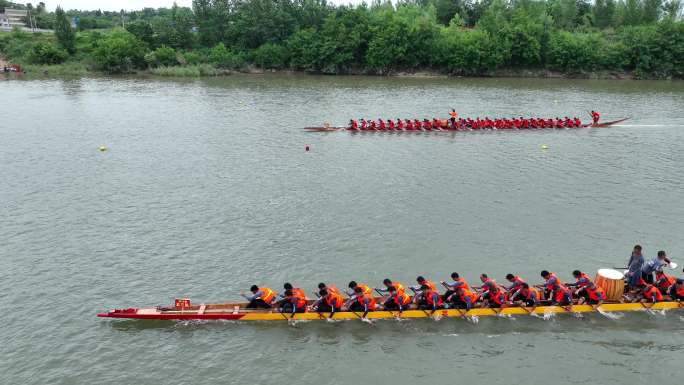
(80, 70)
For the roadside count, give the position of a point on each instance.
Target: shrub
(162, 56)
(270, 56)
(120, 52)
(46, 53)
(222, 57)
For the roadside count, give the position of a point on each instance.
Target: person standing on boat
(261, 298)
(636, 262)
(595, 116)
(654, 265)
(452, 116)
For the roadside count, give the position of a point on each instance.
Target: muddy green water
(206, 189)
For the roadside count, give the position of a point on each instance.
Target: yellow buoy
(103, 148)
(544, 147)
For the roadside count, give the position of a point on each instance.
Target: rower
(353, 125)
(452, 287)
(364, 124)
(560, 295)
(418, 290)
(360, 301)
(526, 296)
(578, 122)
(654, 265)
(397, 300)
(651, 293)
(298, 292)
(516, 283)
(663, 281)
(331, 288)
(492, 295)
(595, 116)
(373, 126)
(416, 124)
(409, 124)
(462, 298)
(427, 124)
(551, 280)
(381, 125)
(581, 280)
(261, 298)
(677, 290)
(400, 124)
(591, 294)
(390, 124)
(436, 123)
(330, 301)
(292, 303)
(365, 289)
(389, 284)
(430, 298)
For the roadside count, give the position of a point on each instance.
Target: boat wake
(610, 315)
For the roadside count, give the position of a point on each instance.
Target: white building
(13, 17)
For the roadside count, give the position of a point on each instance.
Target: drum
(612, 282)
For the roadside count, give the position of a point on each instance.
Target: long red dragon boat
(445, 126)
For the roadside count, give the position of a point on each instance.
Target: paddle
(383, 296)
(430, 315)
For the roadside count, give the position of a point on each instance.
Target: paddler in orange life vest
(677, 290)
(526, 296)
(663, 281)
(418, 290)
(365, 289)
(353, 126)
(516, 283)
(595, 116)
(462, 298)
(453, 287)
(581, 280)
(261, 298)
(560, 295)
(594, 294)
(430, 298)
(330, 301)
(492, 294)
(364, 124)
(293, 300)
(360, 301)
(331, 288)
(391, 287)
(292, 303)
(398, 300)
(650, 293)
(551, 280)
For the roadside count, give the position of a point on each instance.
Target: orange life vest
(467, 293)
(334, 299)
(332, 289)
(453, 114)
(267, 294)
(498, 296)
(532, 291)
(650, 291)
(464, 284)
(401, 298)
(679, 290)
(549, 285)
(365, 288)
(399, 287)
(668, 280)
(430, 285)
(561, 292)
(595, 292)
(429, 298)
(298, 293)
(585, 277)
(363, 298)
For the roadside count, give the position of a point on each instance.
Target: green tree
(119, 52)
(46, 53)
(66, 37)
(270, 56)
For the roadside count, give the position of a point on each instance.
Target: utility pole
(123, 22)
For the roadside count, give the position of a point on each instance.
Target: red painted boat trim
(174, 317)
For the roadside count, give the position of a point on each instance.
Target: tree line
(458, 37)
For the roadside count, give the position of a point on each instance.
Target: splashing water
(548, 315)
(610, 315)
(473, 319)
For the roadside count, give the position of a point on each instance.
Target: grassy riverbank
(514, 39)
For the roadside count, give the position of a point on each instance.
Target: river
(206, 188)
